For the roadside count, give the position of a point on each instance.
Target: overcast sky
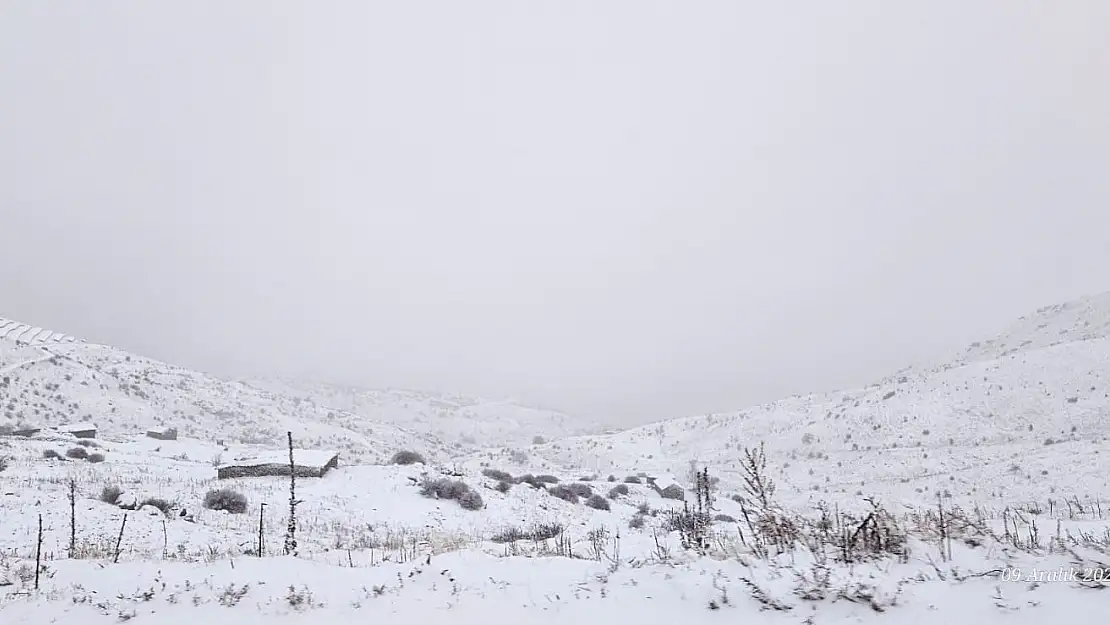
(624, 209)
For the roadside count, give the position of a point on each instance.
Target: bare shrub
(757, 484)
(88, 443)
(443, 488)
(110, 494)
(618, 490)
(77, 453)
(504, 487)
(547, 479)
(597, 502)
(496, 474)
(694, 523)
(95, 457)
(51, 454)
(157, 502)
(406, 457)
(5, 462)
(561, 491)
(225, 499)
(633, 479)
(581, 489)
(637, 521)
(471, 500)
(542, 531)
(530, 480)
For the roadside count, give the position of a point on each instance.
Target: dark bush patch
(77, 453)
(110, 494)
(95, 457)
(597, 502)
(500, 476)
(547, 479)
(88, 443)
(724, 518)
(542, 531)
(443, 488)
(611, 478)
(636, 522)
(406, 457)
(674, 491)
(530, 480)
(632, 479)
(581, 489)
(618, 490)
(471, 500)
(157, 502)
(504, 487)
(4, 463)
(226, 499)
(51, 454)
(564, 493)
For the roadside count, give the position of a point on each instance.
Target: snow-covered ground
(966, 492)
(62, 381)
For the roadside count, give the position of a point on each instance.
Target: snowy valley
(971, 490)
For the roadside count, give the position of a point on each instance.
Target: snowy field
(971, 491)
(370, 545)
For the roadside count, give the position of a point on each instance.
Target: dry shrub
(226, 499)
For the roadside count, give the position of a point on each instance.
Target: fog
(623, 209)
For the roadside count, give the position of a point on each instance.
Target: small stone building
(80, 430)
(163, 434)
(306, 463)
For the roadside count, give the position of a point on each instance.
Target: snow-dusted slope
(1027, 423)
(472, 421)
(1083, 319)
(61, 382)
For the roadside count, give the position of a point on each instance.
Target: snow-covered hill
(59, 381)
(1024, 423)
(972, 490)
(469, 420)
(1084, 319)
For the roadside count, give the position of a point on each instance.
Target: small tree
(759, 487)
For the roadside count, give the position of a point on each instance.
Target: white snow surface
(301, 457)
(999, 450)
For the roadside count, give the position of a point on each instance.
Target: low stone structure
(306, 463)
(80, 430)
(163, 434)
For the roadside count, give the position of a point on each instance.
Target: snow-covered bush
(406, 457)
(225, 499)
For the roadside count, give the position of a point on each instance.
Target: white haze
(629, 210)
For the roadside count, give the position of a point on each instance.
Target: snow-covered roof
(301, 457)
(663, 481)
(77, 427)
(161, 430)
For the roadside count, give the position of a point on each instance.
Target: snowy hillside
(970, 491)
(469, 420)
(59, 381)
(1028, 424)
(1083, 319)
